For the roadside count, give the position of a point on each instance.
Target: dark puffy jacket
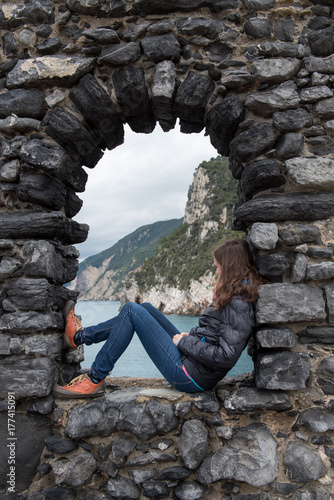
(213, 348)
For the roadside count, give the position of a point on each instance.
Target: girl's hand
(178, 337)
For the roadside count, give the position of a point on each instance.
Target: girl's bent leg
(161, 319)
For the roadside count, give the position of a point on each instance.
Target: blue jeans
(155, 332)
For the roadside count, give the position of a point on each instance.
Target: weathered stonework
(258, 76)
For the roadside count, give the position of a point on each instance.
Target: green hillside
(130, 252)
(182, 256)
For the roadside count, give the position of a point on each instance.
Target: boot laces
(77, 321)
(77, 380)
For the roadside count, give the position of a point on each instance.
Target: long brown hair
(238, 276)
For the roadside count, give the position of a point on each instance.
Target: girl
(190, 362)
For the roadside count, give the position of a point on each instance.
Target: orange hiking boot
(72, 325)
(80, 387)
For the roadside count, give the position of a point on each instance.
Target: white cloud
(144, 180)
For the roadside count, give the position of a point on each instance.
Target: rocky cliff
(179, 278)
(102, 276)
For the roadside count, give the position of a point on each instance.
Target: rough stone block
(161, 48)
(281, 98)
(264, 236)
(289, 145)
(99, 111)
(123, 488)
(326, 375)
(23, 103)
(303, 464)
(298, 234)
(30, 322)
(286, 303)
(43, 346)
(259, 176)
(312, 172)
(247, 399)
(222, 122)
(192, 98)
(258, 27)
(321, 271)
(163, 87)
(271, 338)
(75, 471)
(30, 294)
(26, 377)
(310, 206)
(317, 334)
(292, 120)
(275, 70)
(193, 443)
(260, 452)
(272, 266)
(159, 7)
(299, 268)
(132, 96)
(282, 370)
(329, 290)
(41, 189)
(49, 71)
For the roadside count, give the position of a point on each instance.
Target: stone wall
(258, 75)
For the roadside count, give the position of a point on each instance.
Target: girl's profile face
(218, 266)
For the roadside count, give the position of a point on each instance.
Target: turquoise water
(135, 362)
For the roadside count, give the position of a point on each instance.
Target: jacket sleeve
(235, 328)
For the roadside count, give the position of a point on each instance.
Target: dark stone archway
(258, 76)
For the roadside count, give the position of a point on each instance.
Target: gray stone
(121, 449)
(49, 46)
(255, 463)
(317, 334)
(183, 408)
(146, 7)
(123, 488)
(135, 31)
(292, 120)
(275, 70)
(192, 98)
(324, 109)
(259, 176)
(264, 236)
(26, 377)
(54, 160)
(270, 338)
(98, 8)
(190, 490)
(162, 415)
(40, 406)
(222, 122)
(283, 303)
(23, 103)
(42, 190)
(247, 399)
(30, 433)
(133, 99)
(312, 172)
(276, 49)
(43, 346)
(283, 370)
(99, 111)
(235, 79)
(12, 125)
(49, 71)
(139, 476)
(75, 471)
(120, 55)
(160, 28)
(258, 27)
(302, 463)
(298, 234)
(28, 322)
(206, 401)
(57, 444)
(151, 458)
(299, 268)
(155, 489)
(320, 252)
(272, 265)
(163, 87)
(103, 36)
(326, 372)
(200, 26)
(162, 47)
(10, 267)
(281, 98)
(321, 271)
(329, 290)
(38, 12)
(289, 145)
(224, 432)
(193, 443)
(73, 136)
(304, 206)
(321, 42)
(9, 172)
(249, 144)
(173, 473)
(258, 4)
(320, 64)
(317, 419)
(314, 94)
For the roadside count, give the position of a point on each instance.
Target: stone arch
(258, 76)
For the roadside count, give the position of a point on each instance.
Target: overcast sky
(144, 180)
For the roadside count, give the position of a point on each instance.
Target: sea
(135, 362)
